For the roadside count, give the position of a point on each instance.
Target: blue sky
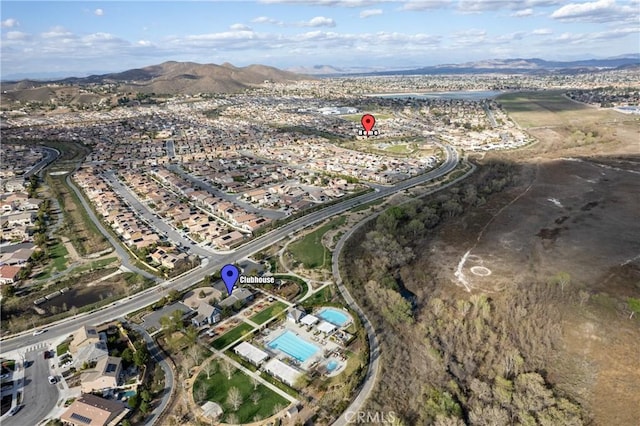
(100, 36)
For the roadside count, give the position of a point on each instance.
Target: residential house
(243, 295)
(9, 274)
(105, 375)
(207, 314)
(91, 410)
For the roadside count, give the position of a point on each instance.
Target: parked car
(52, 380)
(14, 410)
(48, 354)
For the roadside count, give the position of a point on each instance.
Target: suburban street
(39, 397)
(156, 222)
(123, 254)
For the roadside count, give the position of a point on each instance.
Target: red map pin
(368, 121)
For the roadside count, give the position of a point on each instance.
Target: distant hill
(518, 66)
(174, 78)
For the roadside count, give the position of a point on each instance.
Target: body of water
(462, 94)
(334, 316)
(294, 346)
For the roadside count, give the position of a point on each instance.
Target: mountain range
(191, 78)
(515, 65)
(175, 78)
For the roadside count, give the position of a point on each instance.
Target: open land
(550, 262)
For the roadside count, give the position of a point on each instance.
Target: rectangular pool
(294, 346)
(334, 316)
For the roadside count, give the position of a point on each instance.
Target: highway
(149, 296)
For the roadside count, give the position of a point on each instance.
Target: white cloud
(598, 11)
(542, 31)
(239, 27)
(58, 32)
(425, 4)
(144, 43)
(266, 20)
(370, 12)
(18, 36)
(523, 13)
(318, 21)
(339, 3)
(98, 12)
(602, 36)
(10, 23)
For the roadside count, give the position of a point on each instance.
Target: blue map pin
(230, 275)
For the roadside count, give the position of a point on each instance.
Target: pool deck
(326, 346)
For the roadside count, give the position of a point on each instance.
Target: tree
(144, 407)
(277, 408)
(127, 355)
(227, 368)
(234, 398)
(200, 394)
(194, 353)
(133, 401)
(255, 397)
(192, 335)
(141, 356)
(210, 368)
(232, 419)
(562, 279)
(255, 382)
(145, 395)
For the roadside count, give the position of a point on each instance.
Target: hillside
(167, 78)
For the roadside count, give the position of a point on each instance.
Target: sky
(80, 37)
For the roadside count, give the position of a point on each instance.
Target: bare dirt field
(573, 220)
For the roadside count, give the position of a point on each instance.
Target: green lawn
(358, 117)
(399, 149)
(310, 251)
(367, 205)
(319, 297)
(272, 310)
(217, 390)
(57, 255)
(97, 264)
(231, 336)
(62, 348)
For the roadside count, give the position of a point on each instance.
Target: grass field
(80, 229)
(357, 117)
(399, 149)
(217, 390)
(310, 251)
(560, 123)
(97, 264)
(272, 310)
(365, 206)
(231, 336)
(57, 254)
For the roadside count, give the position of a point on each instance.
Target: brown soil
(593, 235)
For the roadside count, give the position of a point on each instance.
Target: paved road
(374, 346)
(123, 254)
(171, 149)
(169, 378)
(39, 397)
(149, 296)
(154, 221)
(373, 368)
(50, 155)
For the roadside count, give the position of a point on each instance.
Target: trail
(459, 274)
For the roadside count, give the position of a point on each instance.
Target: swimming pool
(294, 346)
(333, 316)
(332, 365)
